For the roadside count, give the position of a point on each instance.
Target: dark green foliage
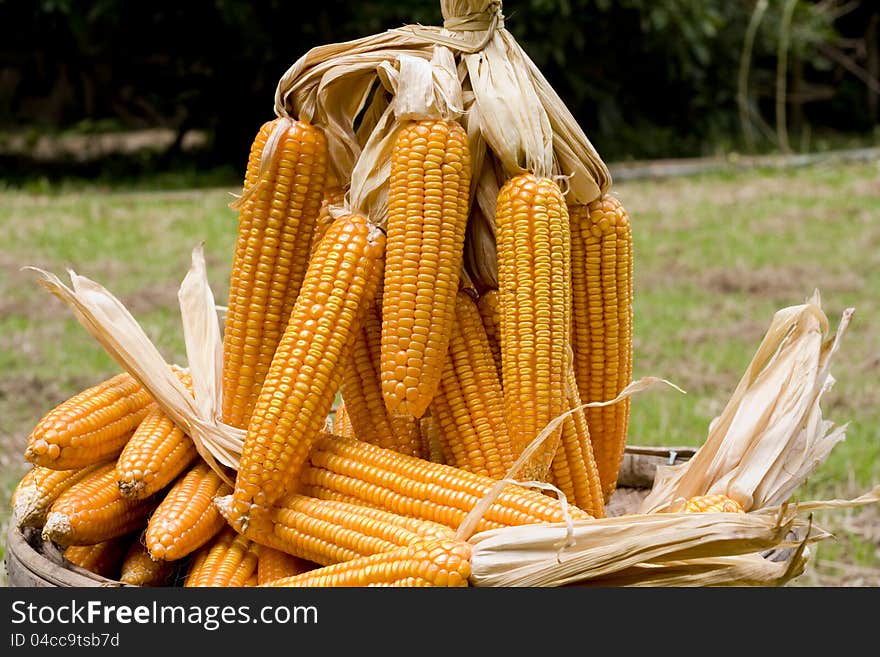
(646, 78)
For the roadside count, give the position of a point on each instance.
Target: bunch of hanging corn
(451, 347)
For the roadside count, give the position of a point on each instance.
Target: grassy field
(716, 256)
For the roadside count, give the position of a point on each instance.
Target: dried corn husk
(771, 435)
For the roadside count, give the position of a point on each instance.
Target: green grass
(716, 256)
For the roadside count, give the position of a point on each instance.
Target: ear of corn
(229, 559)
(140, 569)
(469, 405)
(156, 454)
(93, 510)
(428, 199)
(186, 518)
(715, 503)
(327, 532)
(444, 562)
(102, 558)
(361, 391)
(342, 422)
(602, 286)
(534, 278)
(574, 467)
(432, 442)
(491, 315)
(274, 564)
(357, 472)
(274, 234)
(38, 490)
(310, 361)
(90, 427)
(332, 196)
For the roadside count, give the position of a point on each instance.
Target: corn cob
(186, 518)
(102, 558)
(602, 291)
(428, 199)
(140, 569)
(93, 510)
(469, 404)
(228, 560)
(332, 196)
(327, 532)
(357, 472)
(38, 490)
(90, 427)
(342, 422)
(362, 393)
(716, 503)
(429, 431)
(275, 228)
(490, 313)
(574, 467)
(444, 562)
(155, 455)
(534, 263)
(275, 564)
(310, 361)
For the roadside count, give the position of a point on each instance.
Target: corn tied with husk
(277, 214)
(428, 199)
(310, 361)
(534, 276)
(490, 313)
(574, 470)
(602, 320)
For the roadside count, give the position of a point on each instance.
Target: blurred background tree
(646, 78)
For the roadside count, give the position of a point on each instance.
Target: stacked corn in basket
(431, 295)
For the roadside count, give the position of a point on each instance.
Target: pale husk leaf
(534, 555)
(113, 326)
(736, 570)
(770, 436)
